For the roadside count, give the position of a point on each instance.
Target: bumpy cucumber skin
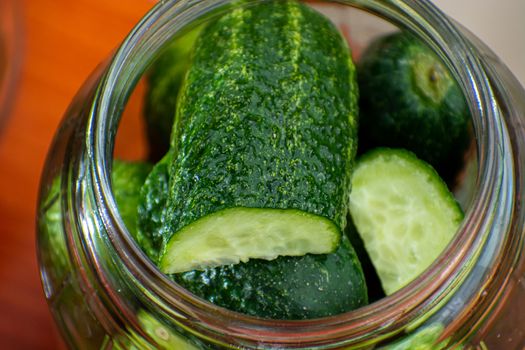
(305, 287)
(394, 112)
(285, 288)
(151, 209)
(163, 82)
(266, 118)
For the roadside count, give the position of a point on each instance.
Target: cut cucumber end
(232, 235)
(404, 213)
(431, 79)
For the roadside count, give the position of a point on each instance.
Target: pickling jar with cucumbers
(299, 175)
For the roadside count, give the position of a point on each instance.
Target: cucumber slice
(233, 235)
(404, 213)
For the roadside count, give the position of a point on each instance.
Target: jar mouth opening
(399, 309)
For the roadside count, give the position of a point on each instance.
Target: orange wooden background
(63, 42)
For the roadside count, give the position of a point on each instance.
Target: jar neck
(450, 280)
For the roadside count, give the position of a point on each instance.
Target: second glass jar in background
(11, 43)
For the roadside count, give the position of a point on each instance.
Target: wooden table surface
(63, 42)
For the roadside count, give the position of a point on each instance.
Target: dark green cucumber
(305, 287)
(266, 120)
(151, 209)
(284, 288)
(409, 99)
(163, 81)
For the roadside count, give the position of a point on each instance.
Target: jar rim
(388, 314)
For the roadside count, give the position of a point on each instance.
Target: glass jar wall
(104, 293)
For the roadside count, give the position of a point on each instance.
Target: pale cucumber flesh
(236, 235)
(404, 213)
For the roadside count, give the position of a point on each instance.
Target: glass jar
(104, 293)
(10, 54)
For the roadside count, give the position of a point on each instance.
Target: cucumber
(163, 81)
(127, 179)
(151, 209)
(404, 213)
(264, 138)
(408, 99)
(289, 287)
(302, 287)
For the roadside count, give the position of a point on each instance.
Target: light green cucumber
(403, 212)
